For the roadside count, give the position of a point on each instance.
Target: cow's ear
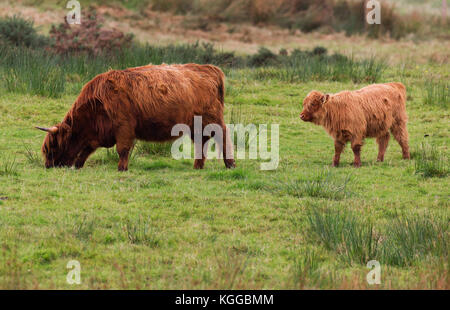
(325, 98)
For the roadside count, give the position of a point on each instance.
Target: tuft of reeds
(430, 162)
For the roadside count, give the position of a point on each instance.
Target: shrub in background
(17, 31)
(89, 37)
(264, 57)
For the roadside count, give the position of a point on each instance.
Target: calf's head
(56, 146)
(313, 106)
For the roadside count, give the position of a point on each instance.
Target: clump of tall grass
(8, 166)
(40, 72)
(401, 242)
(411, 238)
(352, 238)
(140, 231)
(304, 66)
(231, 264)
(325, 184)
(84, 228)
(430, 162)
(32, 156)
(436, 92)
(305, 267)
(31, 72)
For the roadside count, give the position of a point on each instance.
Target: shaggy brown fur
(351, 116)
(117, 107)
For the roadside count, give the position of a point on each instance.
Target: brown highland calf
(352, 116)
(119, 106)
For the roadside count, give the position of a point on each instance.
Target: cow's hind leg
(400, 134)
(200, 156)
(224, 142)
(383, 142)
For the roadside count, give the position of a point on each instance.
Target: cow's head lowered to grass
(56, 146)
(313, 106)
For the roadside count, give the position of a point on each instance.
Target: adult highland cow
(144, 103)
(352, 116)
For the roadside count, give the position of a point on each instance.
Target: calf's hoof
(357, 165)
(335, 164)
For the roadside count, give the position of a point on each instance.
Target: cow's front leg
(83, 156)
(125, 141)
(356, 147)
(338, 148)
(124, 152)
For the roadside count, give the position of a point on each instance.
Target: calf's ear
(325, 98)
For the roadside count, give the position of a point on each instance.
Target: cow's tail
(220, 83)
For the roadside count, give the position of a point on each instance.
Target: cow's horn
(54, 129)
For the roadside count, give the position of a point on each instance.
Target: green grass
(43, 73)
(410, 239)
(430, 162)
(352, 239)
(436, 92)
(164, 225)
(325, 184)
(8, 166)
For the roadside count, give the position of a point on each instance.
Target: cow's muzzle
(305, 117)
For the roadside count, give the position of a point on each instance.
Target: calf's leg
(383, 142)
(338, 148)
(356, 147)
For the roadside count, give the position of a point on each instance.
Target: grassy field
(163, 225)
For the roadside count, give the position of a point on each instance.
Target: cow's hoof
(230, 164)
(335, 165)
(199, 164)
(357, 165)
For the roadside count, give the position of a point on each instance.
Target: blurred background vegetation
(399, 18)
(45, 59)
